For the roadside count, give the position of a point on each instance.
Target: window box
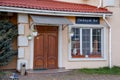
(78, 56)
(95, 56)
(89, 56)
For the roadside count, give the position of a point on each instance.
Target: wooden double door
(46, 48)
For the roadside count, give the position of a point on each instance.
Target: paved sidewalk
(69, 76)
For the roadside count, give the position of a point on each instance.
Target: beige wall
(115, 23)
(11, 65)
(91, 2)
(27, 49)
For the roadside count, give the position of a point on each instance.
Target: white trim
(91, 48)
(87, 59)
(21, 61)
(23, 18)
(21, 29)
(110, 40)
(110, 47)
(81, 42)
(69, 41)
(104, 43)
(60, 47)
(32, 50)
(21, 52)
(88, 26)
(49, 12)
(22, 41)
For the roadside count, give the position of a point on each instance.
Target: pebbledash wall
(24, 20)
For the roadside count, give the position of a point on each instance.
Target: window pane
(89, 45)
(96, 37)
(75, 42)
(76, 36)
(86, 41)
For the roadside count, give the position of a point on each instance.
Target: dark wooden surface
(46, 48)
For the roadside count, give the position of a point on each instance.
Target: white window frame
(87, 26)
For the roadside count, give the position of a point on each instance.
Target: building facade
(66, 34)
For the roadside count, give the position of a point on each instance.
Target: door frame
(59, 46)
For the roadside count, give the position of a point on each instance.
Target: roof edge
(49, 12)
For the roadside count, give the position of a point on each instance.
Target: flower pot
(78, 56)
(95, 56)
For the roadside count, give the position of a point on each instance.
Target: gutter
(49, 12)
(110, 41)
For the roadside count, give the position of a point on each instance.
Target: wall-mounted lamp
(29, 37)
(34, 32)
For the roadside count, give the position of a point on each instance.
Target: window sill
(78, 56)
(91, 58)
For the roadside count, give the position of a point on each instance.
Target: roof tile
(53, 6)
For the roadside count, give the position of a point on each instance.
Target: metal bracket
(64, 26)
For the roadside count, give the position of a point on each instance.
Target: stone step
(49, 71)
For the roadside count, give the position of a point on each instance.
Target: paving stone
(69, 76)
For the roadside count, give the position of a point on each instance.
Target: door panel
(52, 50)
(39, 50)
(46, 48)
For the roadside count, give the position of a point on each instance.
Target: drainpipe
(100, 4)
(110, 41)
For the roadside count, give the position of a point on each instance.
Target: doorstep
(48, 71)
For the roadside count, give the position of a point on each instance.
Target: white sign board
(22, 41)
(21, 52)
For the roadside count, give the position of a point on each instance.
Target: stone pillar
(23, 46)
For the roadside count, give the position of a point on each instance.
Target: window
(87, 43)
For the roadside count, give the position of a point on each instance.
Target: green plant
(8, 32)
(104, 70)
